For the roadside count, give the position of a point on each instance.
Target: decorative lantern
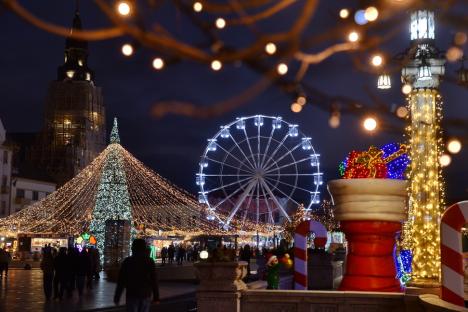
(424, 72)
(384, 82)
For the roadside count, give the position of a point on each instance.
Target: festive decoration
(426, 192)
(112, 199)
(254, 167)
(116, 185)
(403, 260)
(300, 249)
(389, 162)
(453, 274)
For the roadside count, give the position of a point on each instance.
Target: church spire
(75, 67)
(114, 136)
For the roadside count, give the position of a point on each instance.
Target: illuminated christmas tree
(112, 199)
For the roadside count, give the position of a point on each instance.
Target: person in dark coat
(246, 255)
(138, 276)
(170, 253)
(47, 267)
(81, 270)
(163, 255)
(61, 273)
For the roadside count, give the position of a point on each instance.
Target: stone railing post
(220, 285)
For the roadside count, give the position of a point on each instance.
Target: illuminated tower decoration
(112, 199)
(74, 130)
(426, 196)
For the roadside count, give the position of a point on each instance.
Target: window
(35, 195)
(5, 157)
(20, 193)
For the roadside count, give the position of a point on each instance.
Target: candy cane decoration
(300, 249)
(453, 219)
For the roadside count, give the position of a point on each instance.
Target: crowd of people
(180, 253)
(68, 269)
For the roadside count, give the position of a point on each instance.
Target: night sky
(172, 145)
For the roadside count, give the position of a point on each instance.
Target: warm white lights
(220, 23)
(296, 107)
(353, 36)
(377, 60)
(406, 88)
(127, 49)
(454, 146)
(197, 6)
(158, 63)
(445, 160)
(402, 112)
(371, 13)
(370, 124)
(344, 13)
(282, 69)
(203, 254)
(216, 65)
(301, 100)
(334, 121)
(123, 8)
(270, 48)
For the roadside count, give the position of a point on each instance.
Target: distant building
(25, 192)
(74, 131)
(5, 173)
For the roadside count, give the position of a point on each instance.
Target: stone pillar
(220, 285)
(370, 212)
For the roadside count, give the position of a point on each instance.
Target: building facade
(25, 192)
(5, 173)
(74, 130)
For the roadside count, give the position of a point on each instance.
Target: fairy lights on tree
(112, 199)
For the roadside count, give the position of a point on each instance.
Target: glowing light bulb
(158, 63)
(220, 23)
(301, 100)
(370, 124)
(454, 146)
(353, 36)
(123, 8)
(270, 48)
(127, 49)
(282, 69)
(360, 17)
(197, 6)
(377, 60)
(445, 160)
(406, 89)
(402, 112)
(371, 13)
(296, 107)
(216, 65)
(344, 13)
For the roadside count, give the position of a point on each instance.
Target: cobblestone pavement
(22, 291)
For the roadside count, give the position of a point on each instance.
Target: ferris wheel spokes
(242, 152)
(240, 200)
(275, 200)
(227, 165)
(272, 156)
(289, 152)
(270, 212)
(288, 165)
(230, 154)
(268, 145)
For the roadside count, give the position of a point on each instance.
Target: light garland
(118, 186)
(426, 193)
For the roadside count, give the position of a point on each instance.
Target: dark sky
(172, 145)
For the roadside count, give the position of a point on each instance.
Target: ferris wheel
(258, 169)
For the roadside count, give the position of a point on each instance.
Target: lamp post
(426, 196)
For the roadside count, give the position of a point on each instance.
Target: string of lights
(118, 186)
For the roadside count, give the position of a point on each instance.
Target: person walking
(170, 253)
(3, 262)
(180, 254)
(163, 255)
(82, 268)
(61, 273)
(138, 276)
(47, 267)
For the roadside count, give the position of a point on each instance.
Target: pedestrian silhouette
(138, 276)
(47, 267)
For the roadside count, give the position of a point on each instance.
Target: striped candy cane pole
(300, 249)
(453, 219)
